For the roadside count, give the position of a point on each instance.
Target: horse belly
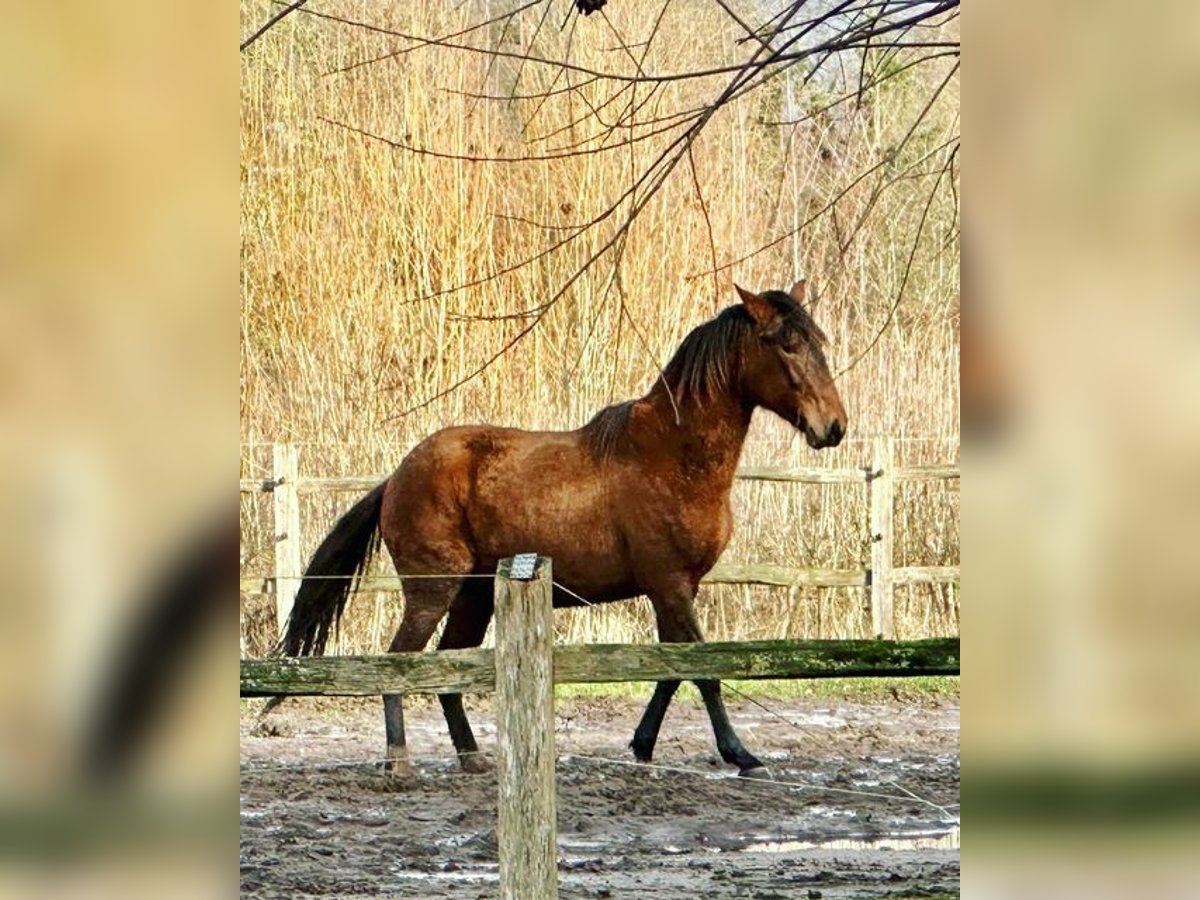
(694, 538)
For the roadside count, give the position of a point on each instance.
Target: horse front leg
(677, 624)
(729, 745)
(646, 734)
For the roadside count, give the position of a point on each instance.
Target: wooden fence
(878, 576)
(522, 671)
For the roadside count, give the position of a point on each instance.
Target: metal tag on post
(523, 565)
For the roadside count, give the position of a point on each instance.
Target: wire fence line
(905, 796)
(781, 474)
(439, 575)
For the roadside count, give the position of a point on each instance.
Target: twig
(271, 22)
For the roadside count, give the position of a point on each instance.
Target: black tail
(150, 660)
(329, 578)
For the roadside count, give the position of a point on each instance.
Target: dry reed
(347, 241)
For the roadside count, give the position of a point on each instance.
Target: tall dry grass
(347, 241)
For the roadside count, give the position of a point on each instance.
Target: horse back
(615, 527)
(501, 491)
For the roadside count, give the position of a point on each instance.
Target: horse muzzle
(833, 435)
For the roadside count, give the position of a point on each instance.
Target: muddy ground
(864, 804)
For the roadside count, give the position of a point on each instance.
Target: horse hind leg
(466, 626)
(425, 603)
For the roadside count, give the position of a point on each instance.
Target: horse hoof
(762, 773)
(476, 763)
(399, 771)
(641, 752)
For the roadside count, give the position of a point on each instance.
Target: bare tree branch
(623, 104)
(271, 23)
(712, 244)
(912, 255)
(417, 43)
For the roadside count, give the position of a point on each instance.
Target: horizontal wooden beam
(349, 483)
(473, 671)
(802, 474)
(784, 576)
(926, 575)
(798, 474)
(947, 471)
(445, 671)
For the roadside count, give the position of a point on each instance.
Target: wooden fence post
(882, 489)
(286, 500)
(527, 829)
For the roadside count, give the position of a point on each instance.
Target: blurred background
(1081, 676)
(118, 378)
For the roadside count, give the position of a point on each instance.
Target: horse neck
(701, 437)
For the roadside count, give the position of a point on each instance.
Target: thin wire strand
(861, 438)
(906, 795)
(734, 779)
(898, 786)
(567, 590)
(804, 731)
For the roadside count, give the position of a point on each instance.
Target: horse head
(784, 368)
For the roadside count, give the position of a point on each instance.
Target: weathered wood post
(527, 829)
(286, 502)
(882, 486)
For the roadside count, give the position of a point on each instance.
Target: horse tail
(334, 570)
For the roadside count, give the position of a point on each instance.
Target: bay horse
(636, 502)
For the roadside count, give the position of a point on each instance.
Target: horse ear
(799, 290)
(759, 307)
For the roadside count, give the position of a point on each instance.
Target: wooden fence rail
(879, 576)
(474, 671)
(799, 474)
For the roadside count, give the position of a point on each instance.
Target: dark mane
(709, 358)
(706, 363)
(603, 432)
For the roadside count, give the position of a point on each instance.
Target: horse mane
(706, 363)
(603, 433)
(710, 357)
